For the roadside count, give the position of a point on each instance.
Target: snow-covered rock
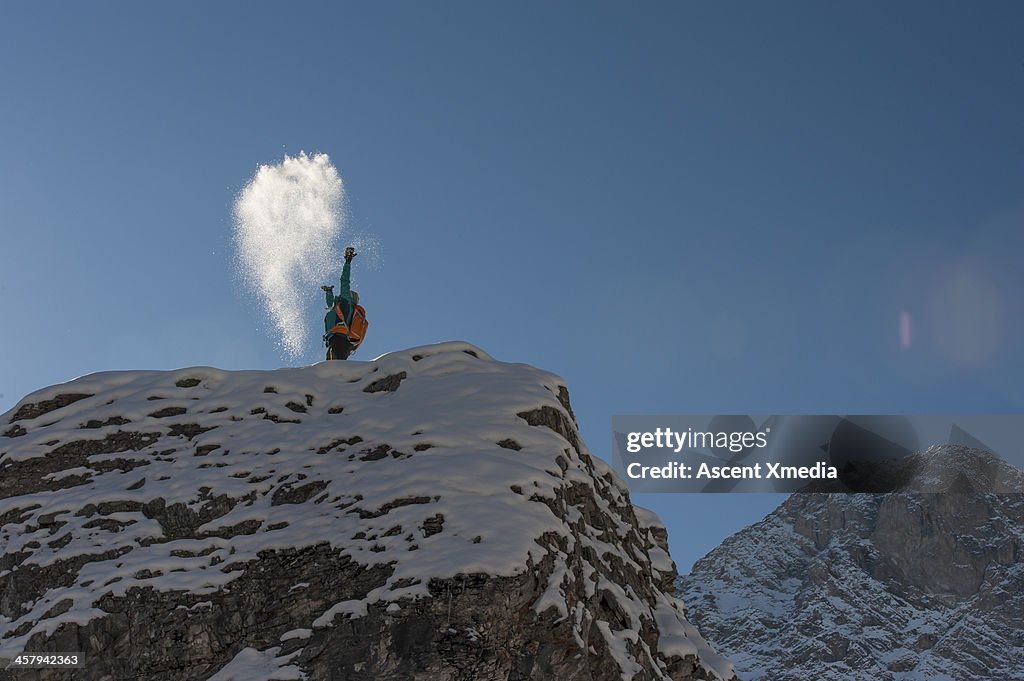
(887, 587)
(432, 514)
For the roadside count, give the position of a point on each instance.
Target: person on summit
(345, 322)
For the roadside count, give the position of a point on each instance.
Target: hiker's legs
(340, 348)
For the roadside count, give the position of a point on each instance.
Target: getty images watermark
(822, 453)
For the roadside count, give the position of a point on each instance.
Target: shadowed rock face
(431, 515)
(876, 586)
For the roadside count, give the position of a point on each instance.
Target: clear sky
(678, 207)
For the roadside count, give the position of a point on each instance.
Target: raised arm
(328, 295)
(346, 277)
(346, 274)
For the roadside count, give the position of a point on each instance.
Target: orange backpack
(357, 330)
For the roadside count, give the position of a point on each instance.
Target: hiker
(345, 322)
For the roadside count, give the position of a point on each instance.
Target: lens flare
(905, 329)
(967, 314)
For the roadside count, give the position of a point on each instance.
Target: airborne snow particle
(288, 220)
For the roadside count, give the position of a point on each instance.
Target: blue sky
(678, 207)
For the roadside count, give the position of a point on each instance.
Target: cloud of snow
(288, 221)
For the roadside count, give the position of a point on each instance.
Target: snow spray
(288, 222)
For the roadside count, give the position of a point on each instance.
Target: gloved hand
(349, 254)
(327, 288)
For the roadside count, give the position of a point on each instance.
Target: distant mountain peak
(916, 584)
(956, 468)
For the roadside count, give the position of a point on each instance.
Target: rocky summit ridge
(925, 583)
(430, 515)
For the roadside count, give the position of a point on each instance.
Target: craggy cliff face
(429, 515)
(909, 585)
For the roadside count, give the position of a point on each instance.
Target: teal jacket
(344, 297)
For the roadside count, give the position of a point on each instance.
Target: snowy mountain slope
(431, 514)
(898, 586)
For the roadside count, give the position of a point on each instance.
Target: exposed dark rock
(15, 431)
(112, 421)
(552, 418)
(397, 503)
(273, 417)
(355, 439)
(563, 398)
(378, 452)
(28, 476)
(168, 411)
(386, 384)
(35, 410)
(189, 430)
(287, 494)
(433, 525)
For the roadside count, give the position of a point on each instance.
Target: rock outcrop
(429, 515)
(908, 585)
